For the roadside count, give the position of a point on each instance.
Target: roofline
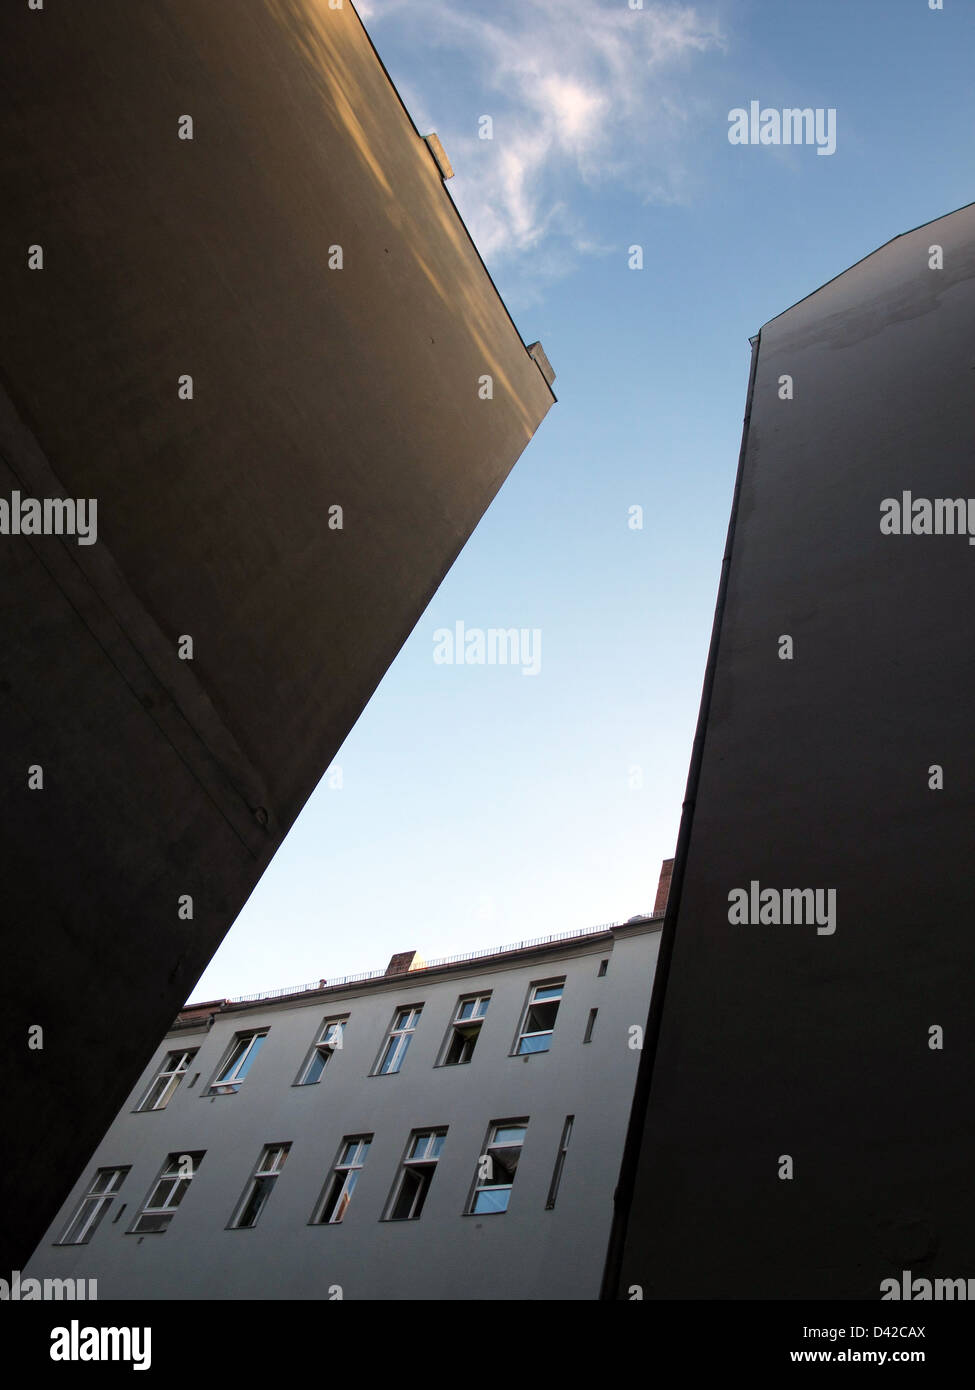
(192, 1015)
(883, 246)
(450, 198)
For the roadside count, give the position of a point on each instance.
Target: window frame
(397, 1041)
(467, 1029)
(281, 1149)
(558, 982)
(555, 1184)
(181, 1183)
(490, 1146)
(410, 1165)
(176, 1074)
(103, 1200)
(334, 1192)
(321, 1046)
(219, 1084)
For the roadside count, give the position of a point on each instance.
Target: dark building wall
(785, 1040)
(312, 387)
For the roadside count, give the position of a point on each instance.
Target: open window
(496, 1167)
(415, 1175)
(329, 1041)
(167, 1192)
(337, 1193)
(535, 1034)
(167, 1080)
(261, 1185)
(464, 1030)
(237, 1063)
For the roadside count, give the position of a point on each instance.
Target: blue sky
(478, 805)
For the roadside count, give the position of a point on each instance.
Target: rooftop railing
(485, 953)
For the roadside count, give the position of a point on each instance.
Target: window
(94, 1204)
(169, 1190)
(260, 1187)
(543, 1005)
(590, 1025)
(553, 1190)
(496, 1167)
(229, 1078)
(329, 1040)
(167, 1080)
(400, 1036)
(603, 967)
(464, 1030)
(417, 1170)
(341, 1184)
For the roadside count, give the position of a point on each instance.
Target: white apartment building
(450, 1130)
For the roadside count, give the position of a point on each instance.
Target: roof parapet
(439, 155)
(537, 353)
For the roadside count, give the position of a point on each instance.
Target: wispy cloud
(585, 96)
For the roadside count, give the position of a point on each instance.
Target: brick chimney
(405, 961)
(663, 886)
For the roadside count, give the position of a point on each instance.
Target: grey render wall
(313, 387)
(524, 1253)
(816, 772)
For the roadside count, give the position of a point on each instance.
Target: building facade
(801, 1127)
(247, 332)
(449, 1130)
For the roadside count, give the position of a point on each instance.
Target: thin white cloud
(584, 94)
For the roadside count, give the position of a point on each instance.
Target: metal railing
(304, 989)
(488, 951)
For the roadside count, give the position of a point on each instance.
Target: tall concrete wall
(313, 387)
(800, 1130)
